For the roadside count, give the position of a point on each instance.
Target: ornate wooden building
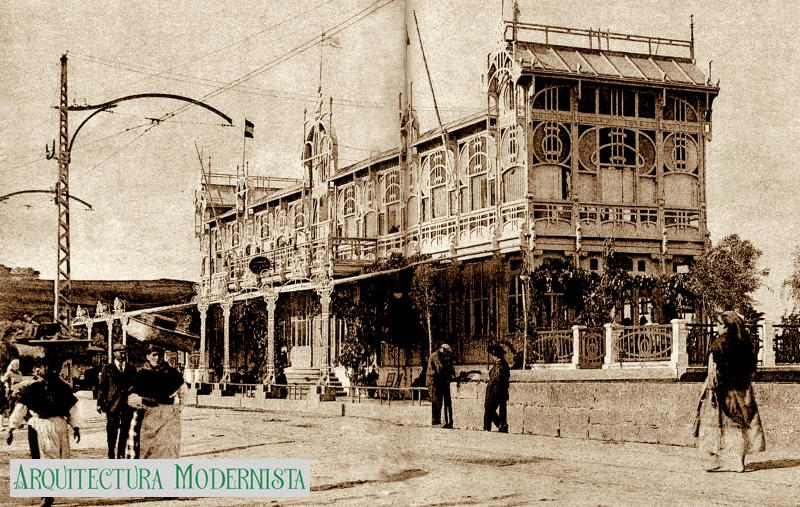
(586, 136)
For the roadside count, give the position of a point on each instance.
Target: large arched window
(476, 193)
(438, 184)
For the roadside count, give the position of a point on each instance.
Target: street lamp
(524, 279)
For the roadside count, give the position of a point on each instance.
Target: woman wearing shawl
(156, 427)
(728, 425)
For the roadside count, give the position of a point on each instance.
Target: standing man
(115, 383)
(437, 379)
(156, 396)
(496, 391)
(52, 408)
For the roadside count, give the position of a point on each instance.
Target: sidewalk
(365, 462)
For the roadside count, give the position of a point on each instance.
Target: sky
(238, 57)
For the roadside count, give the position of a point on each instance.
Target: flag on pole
(248, 128)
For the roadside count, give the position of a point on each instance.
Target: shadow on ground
(770, 465)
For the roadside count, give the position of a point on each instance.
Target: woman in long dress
(156, 427)
(729, 424)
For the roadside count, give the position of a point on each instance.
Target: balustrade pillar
(767, 332)
(271, 298)
(679, 360)
(201, 362)
(576, 346)
(612, 349)
(89, 326)
(226, 305)
(110, 325)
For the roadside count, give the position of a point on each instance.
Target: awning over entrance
(160, 330)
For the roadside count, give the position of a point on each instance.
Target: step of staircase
(310, 376)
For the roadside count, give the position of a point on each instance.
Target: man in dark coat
(115, 383)
(437, 378)
(496, 391)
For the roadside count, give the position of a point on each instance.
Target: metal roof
(612, 64)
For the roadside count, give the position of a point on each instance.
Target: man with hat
(496, 391)
(116, 380)
(437, 378)
(52, 410)
(156, 396)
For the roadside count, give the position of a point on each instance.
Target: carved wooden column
(271, 298)
(226, 305)
(325, 289)
(202, 307)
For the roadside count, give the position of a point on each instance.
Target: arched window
(475, 191)
(438, 182)
(391, 201)
(349, 198)
(392, 194)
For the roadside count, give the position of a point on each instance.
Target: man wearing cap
(115, 383)
(496, 391)
(437, 378)
(52, 410)
(157, 422)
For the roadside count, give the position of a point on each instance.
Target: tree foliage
(791, 286)
(727, 274)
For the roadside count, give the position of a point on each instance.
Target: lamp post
(524, 279)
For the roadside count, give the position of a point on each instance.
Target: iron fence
(786, 343)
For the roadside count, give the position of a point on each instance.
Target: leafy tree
(724, 277)
(363, 306)
(791, 286)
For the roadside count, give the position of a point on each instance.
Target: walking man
(437, 378)
(496, 391)
(51, 408)
(115, 383)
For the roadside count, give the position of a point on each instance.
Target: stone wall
(649, 412)
(660, 412)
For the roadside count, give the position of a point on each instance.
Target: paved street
(365, 462)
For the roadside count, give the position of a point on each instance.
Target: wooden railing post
(767, 332)
(679, 360)
(576, 346)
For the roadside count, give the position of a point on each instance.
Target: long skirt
(53, 437)
(729, 423)
(155, 433)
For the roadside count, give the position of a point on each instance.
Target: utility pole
(63, 279)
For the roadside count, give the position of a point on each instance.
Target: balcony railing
(353, 250)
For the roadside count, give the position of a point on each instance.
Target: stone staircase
(310, 377)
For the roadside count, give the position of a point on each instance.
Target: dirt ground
(364, 462)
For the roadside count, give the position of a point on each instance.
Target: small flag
(248, 129)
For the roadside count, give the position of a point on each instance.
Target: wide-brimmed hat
(446, 347)
(496, 350)
(155, 348)
(120, 348)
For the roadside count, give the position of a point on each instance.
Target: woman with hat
(496, 391)
(52, 409)
(156, 427)
(728, 425)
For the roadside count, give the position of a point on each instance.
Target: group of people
(728, 424)
(440, 373)
(142, 412)
(142, 406)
